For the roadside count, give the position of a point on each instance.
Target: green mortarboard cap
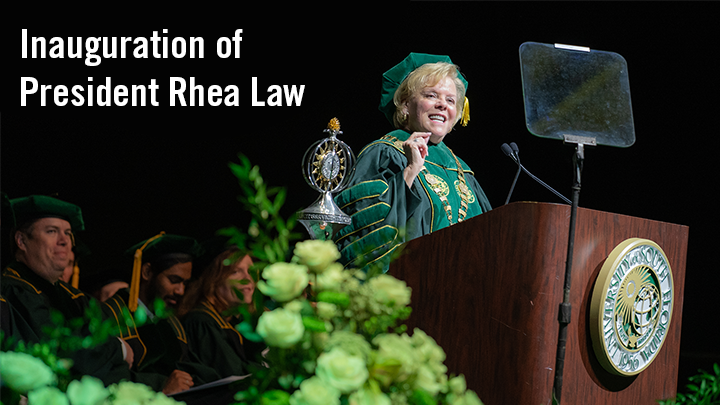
(41, 206)
(392, 79)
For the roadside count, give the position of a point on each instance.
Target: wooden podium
(488, 291)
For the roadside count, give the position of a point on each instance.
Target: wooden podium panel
(488, 291)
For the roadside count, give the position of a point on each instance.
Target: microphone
(514, 153)
(507, 150)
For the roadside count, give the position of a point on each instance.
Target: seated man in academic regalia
(32, 289)
(162, 267)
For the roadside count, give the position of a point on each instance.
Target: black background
(138, 170)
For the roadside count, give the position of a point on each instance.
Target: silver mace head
(328, 166)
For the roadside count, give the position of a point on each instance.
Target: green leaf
(337, 298)
(279, 199)
(237, 170)
(248, 332)
(275, 397)
(313, 324)
(421, 397)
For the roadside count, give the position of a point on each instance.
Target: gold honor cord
(75, 280)
(466, 113)
(75, 276)
(135, 283)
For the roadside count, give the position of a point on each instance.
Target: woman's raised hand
(416, 150)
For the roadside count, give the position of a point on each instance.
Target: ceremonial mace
(328, 166)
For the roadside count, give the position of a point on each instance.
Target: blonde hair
(427, 75)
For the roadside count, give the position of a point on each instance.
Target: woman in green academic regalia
(409, 183)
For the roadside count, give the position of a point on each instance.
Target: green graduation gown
(385, 212)
(33, 299)
(217, 342)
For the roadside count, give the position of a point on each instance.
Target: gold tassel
(466, 113)
(135, 282)
(75, 281)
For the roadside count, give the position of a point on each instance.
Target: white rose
(316, 254)
(341, 370)
(23, 372)
(331, 279)
(280, 328)
(366, 396)
(390, 291)
(427, 381)
(315, 391)
(395, 359)
(283, 281)
(326, 310)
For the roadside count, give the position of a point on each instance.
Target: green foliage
(704, 389)
(268, 236)
(64, 338)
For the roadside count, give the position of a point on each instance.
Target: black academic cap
(153, 248)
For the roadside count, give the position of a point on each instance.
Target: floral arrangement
(335, 335)
(334, 339)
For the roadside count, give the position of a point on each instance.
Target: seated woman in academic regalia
(208, 317)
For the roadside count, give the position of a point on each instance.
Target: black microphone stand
(564, 312)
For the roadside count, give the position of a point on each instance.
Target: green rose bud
(331, 279)
(427, 381)
(427, 347)
(315, 391)
(317, 255)
(23, 372)
(457, 384)
(281, 327)
(395, 358)
(341, 370)
(283, 281)
(352, 343)
(326, 310)
(368, 396)
(294, 306)
(87, 391)
(469, 398)
(390, 291)
(47, 396)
